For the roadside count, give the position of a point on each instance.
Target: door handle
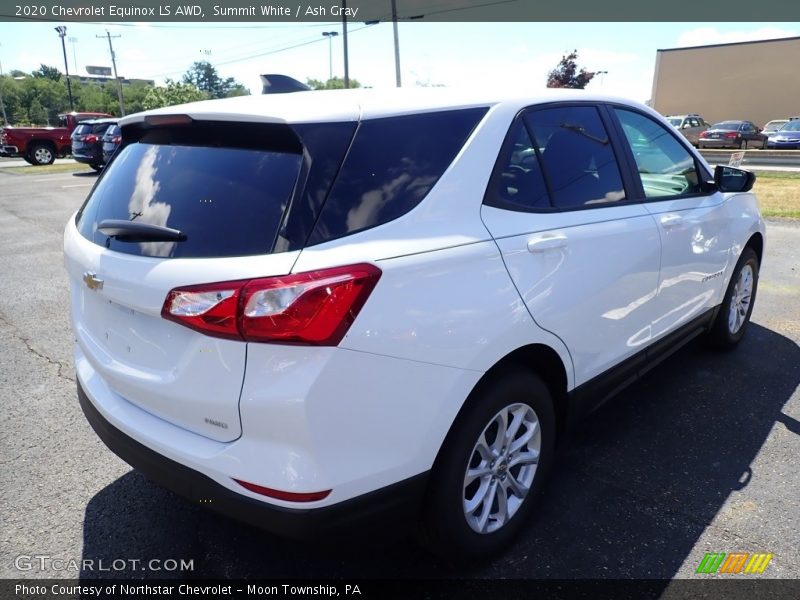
(550, 242)
(671, 220)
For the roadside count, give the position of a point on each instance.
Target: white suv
(307, 308)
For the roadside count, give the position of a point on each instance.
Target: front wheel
(743, 145)
(491, 468)
(737, 306)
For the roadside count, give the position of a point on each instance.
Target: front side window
(665, 166)
(577, 159)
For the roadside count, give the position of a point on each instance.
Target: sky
(453, 54)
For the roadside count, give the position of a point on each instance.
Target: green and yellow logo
(734, 563)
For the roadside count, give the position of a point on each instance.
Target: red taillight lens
(316, 308)
(90, 139)
(731, 135)
(704, 134)
(116, 139)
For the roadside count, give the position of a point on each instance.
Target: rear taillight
(116, 139)
(731, 135)
(316, 308)
(704, 134)
(90, 139)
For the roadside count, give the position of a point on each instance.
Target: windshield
(774, 125)
(675, 122)
(727, 125)
(791, 126)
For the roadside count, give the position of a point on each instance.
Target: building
(757, 81)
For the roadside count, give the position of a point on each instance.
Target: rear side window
(391, 166)
(576, 156)
(227, 200)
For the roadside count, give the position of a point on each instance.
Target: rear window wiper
(136, 231)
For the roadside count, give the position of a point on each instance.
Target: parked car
(774, 125)
(691, 126)
(733, 134)
(285, 318)
(42, 145)
(111, 140)
(786, 138)
(87, 142)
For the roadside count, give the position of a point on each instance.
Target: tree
(203, 76)
(46, 72)
(566, 74)
(173, 93)
(334, 83)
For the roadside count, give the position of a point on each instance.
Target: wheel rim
(42, 155)
(740, 299)
(501, 468)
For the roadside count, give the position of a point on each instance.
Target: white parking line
(77, 185)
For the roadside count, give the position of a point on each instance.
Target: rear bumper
(390, 508)
(9, 151)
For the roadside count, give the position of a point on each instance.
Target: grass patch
(48, 169)
(778, 194)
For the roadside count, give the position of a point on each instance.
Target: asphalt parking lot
(701, 456)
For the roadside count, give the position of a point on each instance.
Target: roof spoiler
(281, 84)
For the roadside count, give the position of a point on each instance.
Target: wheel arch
(756, 242)
(537, 358)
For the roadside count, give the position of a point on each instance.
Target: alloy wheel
(501, 468)
(740, 299)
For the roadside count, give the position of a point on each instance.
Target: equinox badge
(92, 281)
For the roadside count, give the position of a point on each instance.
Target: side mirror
(730, 179)
(686, 126)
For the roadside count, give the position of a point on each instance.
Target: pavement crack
(61, 368)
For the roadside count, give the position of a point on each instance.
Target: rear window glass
(391, 166)
(113, 130)
(227, 201)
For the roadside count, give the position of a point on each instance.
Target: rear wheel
(734, 313)
(491, 469)
(97, 167)
(743, 145)
(41, 154)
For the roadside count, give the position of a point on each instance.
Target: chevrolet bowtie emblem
(92, 281)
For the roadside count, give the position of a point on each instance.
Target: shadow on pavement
(630, 495)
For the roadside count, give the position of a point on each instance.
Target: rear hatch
(225, 187)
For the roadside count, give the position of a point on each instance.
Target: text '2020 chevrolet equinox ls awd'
(301, 308)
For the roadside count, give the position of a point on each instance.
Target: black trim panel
(388, 508)
(589, 396)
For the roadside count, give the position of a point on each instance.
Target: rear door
(227, 192)
(583, 257)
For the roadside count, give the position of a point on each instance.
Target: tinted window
(727, 125)
(113, 130)
(228, 201)
(666, 167)
(391, 165)
(517, 181)
(577, 159)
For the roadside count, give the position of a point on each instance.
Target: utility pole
(3, 106)
(114, 63)
(344, 40)
(330, 35)
(72, 41)
(396, 44)
(62, 32)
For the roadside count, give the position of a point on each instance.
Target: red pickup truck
(41, 145)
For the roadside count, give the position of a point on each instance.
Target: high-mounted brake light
(315, 308)
(162, 120)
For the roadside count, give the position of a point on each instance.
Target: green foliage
(173, 93)
(336, 83)
(566, 74)
(203, 76)
(46, 72)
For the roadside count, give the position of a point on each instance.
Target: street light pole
(62, 32)
(344, 40)
(330, 35)
(396, 45)
(601, 73)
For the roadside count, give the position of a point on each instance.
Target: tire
(764, 145)
(97, 168)
(743, 145)
(28, 160)
(465, 521)
(41, 154)
(734, 313)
